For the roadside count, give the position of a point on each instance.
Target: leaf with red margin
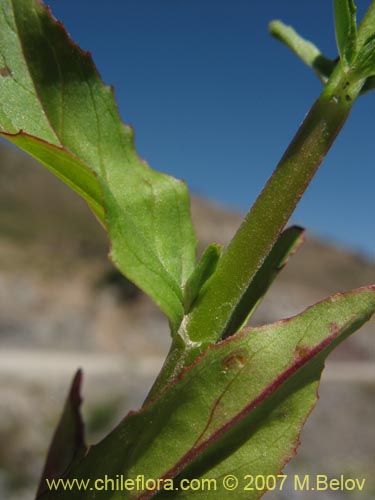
(68, 441)
(238, 408)
(54, 105)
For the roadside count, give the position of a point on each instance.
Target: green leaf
(360, 56)
(346, 29)
(203, 270)
(369, 85)
(305, 50)
(55, 106)
(364, 64)
(241, 404)
(288, 243)
(260, 445)
(68, 441)
(64, 165)
(367, 26)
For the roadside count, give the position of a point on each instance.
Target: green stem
(271, 211)
(209, 318)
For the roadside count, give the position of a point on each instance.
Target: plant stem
(207, 321)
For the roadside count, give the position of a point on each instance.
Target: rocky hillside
(62, 305)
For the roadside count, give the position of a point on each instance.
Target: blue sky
(215, 100)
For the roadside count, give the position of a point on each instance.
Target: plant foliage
(227, 396)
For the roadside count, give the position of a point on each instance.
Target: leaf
(364, 64)
(241, 404)
(68, 441)
(346, 29)
(66, 166)
(288, 243)
(366, 29)
(260, 445)
(55, 106)
(357, 49)
(305, 50)
(369, 85)
(203, 270)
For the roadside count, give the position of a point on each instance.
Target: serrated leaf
(346, 29)
(257, 384)
(55, 106)
(68, 441)
(287, 244)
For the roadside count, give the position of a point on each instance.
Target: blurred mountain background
(64, 306)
